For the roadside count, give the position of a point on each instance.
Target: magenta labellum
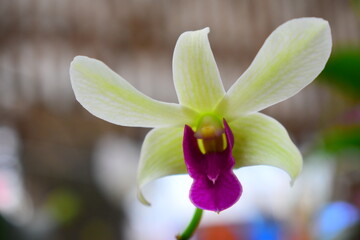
(209, 161)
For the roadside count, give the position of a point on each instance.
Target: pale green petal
(110, 97)
(261, 140)
(292, 56)
(196, 76)
(161, 155)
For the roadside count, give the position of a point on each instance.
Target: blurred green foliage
(64, 205)
(356, 6)
(343, 72)
(342, 138)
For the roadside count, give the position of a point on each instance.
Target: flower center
(210, 134)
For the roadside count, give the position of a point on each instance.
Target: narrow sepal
(291, 58)
(196, 77)
(108, 96)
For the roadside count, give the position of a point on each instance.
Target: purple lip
(215, 186)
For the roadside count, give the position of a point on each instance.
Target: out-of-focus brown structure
(39, 38)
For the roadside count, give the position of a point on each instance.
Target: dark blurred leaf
(343, 72)
(342, 138)
(355, 4)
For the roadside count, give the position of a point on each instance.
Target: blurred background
(64, 174)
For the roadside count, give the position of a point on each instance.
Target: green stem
(189, 231)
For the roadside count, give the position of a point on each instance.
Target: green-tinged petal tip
(142, 199)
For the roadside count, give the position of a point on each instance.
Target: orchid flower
(211, 132)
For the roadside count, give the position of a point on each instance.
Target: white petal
(291, 58)
(196, 76)
(108, 96)
(261, 140)
(161, 155)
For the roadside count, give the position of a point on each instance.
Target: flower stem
(189, 231)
